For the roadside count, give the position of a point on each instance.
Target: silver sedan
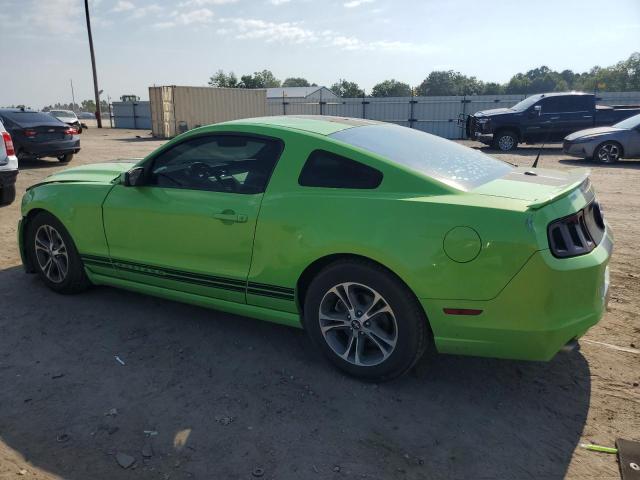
(606, 144)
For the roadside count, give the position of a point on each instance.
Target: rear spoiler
(580, 180)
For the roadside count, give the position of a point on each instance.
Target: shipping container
(175, 109)
(133, 115)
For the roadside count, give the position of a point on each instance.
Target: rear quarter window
(328, 170)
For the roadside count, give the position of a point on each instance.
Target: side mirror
(538, 109)
(134, 177)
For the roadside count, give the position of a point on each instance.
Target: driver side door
(190, 225)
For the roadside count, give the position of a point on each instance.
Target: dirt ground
(227, 397)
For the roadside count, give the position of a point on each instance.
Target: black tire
(608, 153)
(66, 158)
(7, 194)
(505, 141)
(75, 280)
(407, 320)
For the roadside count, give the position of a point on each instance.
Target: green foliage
(263, 79)
(391, 88)
(441, 82)
(346, 89)
(224, 80)
(296, 82)
(621, 77)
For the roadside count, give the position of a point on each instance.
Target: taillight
(71, 131)
(576, 234)
(8, 143)
(30, 133)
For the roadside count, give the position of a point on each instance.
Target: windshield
(448, 162)
(526, 103)
(629, 123)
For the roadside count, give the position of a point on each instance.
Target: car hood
(536, 186)
(95, 173)
(591, 132)
(492, 112)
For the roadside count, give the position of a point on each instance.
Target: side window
(218, 163)
(325, 169)
(552, 105)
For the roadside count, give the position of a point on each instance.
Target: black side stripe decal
(254, 288)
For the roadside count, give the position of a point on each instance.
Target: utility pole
(73, 97)
(93, 65)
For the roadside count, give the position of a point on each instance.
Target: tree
(224, 80)
(88, 106)
(345, 89)
(296, 82)
(440, 82)
(492, 88)
(391, 88)
(263, 79)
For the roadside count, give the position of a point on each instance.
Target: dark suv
(38, 135)
(545, 117)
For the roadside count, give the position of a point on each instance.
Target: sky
(140, 43)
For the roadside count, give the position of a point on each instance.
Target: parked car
(381, 241)
(39, 135)
(69, 117)
(546, 117)
(86, 116)
(8, 168)
(606, 144)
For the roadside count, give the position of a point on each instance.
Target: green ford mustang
(381, 241)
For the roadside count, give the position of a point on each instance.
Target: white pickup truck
(8, 168)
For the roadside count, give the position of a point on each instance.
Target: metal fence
(134, 115)
(442, 116)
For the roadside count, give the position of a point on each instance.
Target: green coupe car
(381, 241)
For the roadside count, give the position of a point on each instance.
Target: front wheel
(608, 152)
(66, 158)
(54, 255)
(365, 320)
(505, 141)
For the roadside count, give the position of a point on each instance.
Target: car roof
(319, 124)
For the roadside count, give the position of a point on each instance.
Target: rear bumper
(549, 303)
(50, 149)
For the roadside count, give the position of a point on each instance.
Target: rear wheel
(365, 321)
(608, 152)
(66, 158)
(505, 141)
(54, 255)
(7, 194)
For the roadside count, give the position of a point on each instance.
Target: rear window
(448, 162)
(22, 118)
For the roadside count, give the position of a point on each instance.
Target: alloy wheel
(358, 324)
(51, 253)
(609, 153)
(506, 142)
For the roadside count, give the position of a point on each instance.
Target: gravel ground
(235, 398)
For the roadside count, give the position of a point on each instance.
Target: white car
(8, 168)
(69, 117)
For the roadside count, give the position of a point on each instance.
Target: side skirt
(283, 318)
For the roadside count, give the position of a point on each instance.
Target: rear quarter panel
(400, 225)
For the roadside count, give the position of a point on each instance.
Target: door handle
(586, 116)
(230, 216)
(554, 118)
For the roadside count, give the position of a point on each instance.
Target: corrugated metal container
(175, 109)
